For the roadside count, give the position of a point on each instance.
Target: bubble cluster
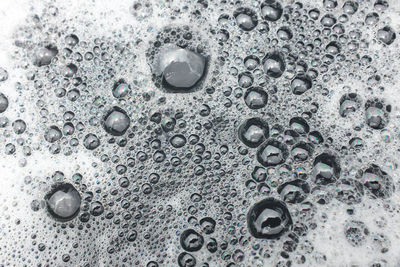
(201, 133)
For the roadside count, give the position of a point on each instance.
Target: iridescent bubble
(330, 4)
(120, 89)
(284, 33)
(96, 208)
(314, 13)
(141, 9)
(3, 75)
(251, 62)
(381, 5)
(372, 18)
(70, 70)
(259, 174)
(245, 79)
(131, 236)
(315, 137)
(290, 137)
(212, 245)
(19, 126)
(333, 48)
(356, 233)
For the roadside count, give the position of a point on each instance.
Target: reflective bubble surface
(199, 133)
(268, 219)
(63, 202)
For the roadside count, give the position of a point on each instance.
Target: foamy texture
(103, 18)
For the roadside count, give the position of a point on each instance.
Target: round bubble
(326, 169)
(295, 191)
(378, 182)
(3, 103)
(349, 103)
(180, 68)
(116, 122)
(274, 64)
(255, 98)
(63, 202)
(300, 84)
(246, 18)
(386, 35)
(271, 10)
(45, 55)
(91, 141)
(186, 260)
(253, 132)
(191, 240)
(272, 153)
(268, 219)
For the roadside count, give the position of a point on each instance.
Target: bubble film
(199, 133)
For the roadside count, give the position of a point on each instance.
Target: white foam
(114, 15)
